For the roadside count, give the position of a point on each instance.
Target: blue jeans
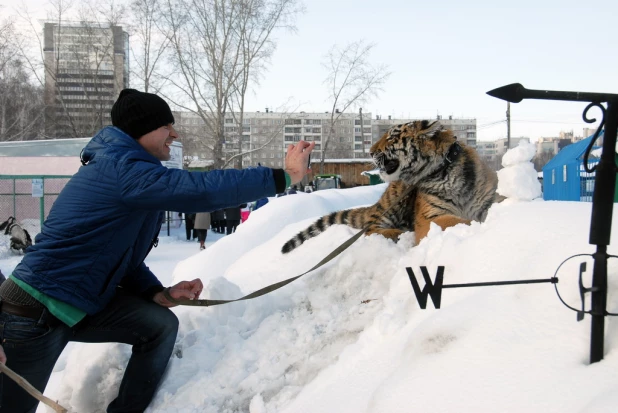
(33, 346)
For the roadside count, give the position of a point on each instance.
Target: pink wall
(39, 165)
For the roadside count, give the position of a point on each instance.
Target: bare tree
(351, 81)
(541, 159)
(148, 40)
(262, 136)
(219, 46)
(77, 50)
(20, 101)
(266, 137)
(8, 51)
(257, 20)
(94, 53)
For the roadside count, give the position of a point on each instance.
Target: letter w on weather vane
(434, 289)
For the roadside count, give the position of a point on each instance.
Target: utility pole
(508, 125)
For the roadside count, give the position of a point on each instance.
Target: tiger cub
(444, 182)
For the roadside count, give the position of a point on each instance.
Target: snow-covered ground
(350, 337)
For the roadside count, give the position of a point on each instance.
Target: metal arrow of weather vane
(601, 217)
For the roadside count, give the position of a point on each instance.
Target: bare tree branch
(351, 81)
(219, 47)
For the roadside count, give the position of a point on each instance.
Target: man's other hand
(189, 290)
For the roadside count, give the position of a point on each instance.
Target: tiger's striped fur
(418, 156)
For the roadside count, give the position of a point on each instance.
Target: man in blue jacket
(85, 279)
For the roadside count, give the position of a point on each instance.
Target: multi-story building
(552, 144)
(266, 135)
(493, 151)
(86, 67)
(464, 129)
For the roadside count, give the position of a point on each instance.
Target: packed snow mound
(524, 152)
(350, 337)
(518, 179)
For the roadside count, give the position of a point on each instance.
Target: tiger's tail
(346, 217)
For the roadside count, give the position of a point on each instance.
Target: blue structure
(564, 177)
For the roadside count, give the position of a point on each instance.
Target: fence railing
(29, 198)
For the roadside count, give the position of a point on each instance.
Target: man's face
(157, 143)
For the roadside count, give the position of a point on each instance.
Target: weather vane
(603, 197)
(600, 223)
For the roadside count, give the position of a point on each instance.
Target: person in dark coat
(85, 278)
(217, 220)
(232, 219)
(189, 224)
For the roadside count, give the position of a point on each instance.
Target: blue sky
(444, 56)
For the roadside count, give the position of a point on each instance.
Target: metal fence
(29, 198)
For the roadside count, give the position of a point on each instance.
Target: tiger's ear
(432, 129)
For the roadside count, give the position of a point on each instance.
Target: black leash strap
(273, 287)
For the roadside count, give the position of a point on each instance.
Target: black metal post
(600, 231)
(602, 200)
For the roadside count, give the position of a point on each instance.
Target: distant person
(217, 219)
(189, 225)
(232, 219)
(245, 211)
(202, 224)
(85, 280)
(292, 190)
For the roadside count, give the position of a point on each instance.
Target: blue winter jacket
(108, 217)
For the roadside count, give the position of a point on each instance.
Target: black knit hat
(138, 113)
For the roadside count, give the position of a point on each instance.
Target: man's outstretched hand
(189, 290)
(297, 160)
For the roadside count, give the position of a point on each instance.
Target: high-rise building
(86, 67)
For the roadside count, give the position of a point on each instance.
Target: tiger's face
(411, 151)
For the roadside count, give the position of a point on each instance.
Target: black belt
(21, 310)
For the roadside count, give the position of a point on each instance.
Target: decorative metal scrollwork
(596, 134)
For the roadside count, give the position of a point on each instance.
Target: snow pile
(519, 180)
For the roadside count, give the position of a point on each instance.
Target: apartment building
(464, 128)
(552, 145)
(264, 136)
(86, 67)
(492, 151)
